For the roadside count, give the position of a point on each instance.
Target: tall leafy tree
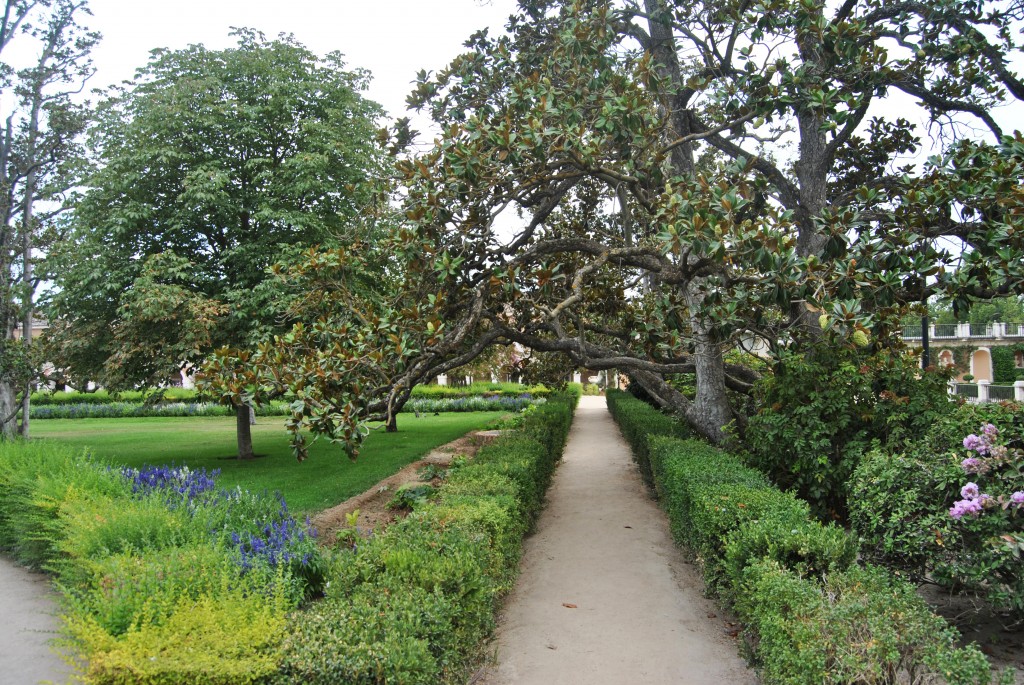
(213, 165)
(642, 185)
(41, 161)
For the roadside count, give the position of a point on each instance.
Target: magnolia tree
(643, 186)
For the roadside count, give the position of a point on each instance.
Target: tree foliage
(41, 162)
(643, 185)
(213, 166)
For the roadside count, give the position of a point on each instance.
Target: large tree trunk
(243, 431)
(710, 413)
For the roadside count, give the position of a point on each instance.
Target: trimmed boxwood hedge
(414, 604)
(638, 422)
(810, 614)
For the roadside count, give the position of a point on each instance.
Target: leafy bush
(808, 549)
(858, 626)
(231, 639)
(819, 414)
(954, 516)
(638, 422)
(412, 604)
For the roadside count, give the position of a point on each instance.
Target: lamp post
(925, 354)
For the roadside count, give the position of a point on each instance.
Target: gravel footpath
(604, 596)
(28, 623)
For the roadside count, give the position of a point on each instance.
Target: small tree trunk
(392, 424)
(8, 399)
(243, 432)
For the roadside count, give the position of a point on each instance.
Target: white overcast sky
(392, 38)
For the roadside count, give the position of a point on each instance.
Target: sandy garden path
(604, 596)
(28, 622)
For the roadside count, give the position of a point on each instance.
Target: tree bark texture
(243, 431)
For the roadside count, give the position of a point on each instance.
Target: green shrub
(719, 510)
(230, 639)
(367, 638)
(639, 422)
(819, 414)
(413, 604)
(859, 626)
(807, 548)
(682, 469)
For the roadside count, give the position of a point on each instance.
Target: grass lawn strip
(323, 480)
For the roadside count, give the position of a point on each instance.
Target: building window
(1018, 358)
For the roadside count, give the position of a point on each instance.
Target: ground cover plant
(811, 614)
(208, 443)
(165, 576)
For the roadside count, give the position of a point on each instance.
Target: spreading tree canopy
(644, 185)
(212, 165)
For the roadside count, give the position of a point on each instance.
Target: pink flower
(1018, 498)
(970, 491)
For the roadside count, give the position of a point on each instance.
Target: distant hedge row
(171, 395)
(811, 615)
(424, 405)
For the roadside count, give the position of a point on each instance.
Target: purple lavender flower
(970, 491)
(1018, 498)
(990, 431)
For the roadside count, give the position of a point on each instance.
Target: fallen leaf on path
(568, 606)
(550, 646)
(627, 526)
(712, 615)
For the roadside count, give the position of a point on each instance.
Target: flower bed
(165, 578)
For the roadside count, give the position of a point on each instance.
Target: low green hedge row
(637, 420)
(45, 398)
(116, 410)
(811, 615)
(413, 604)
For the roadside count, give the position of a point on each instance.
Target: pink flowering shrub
(950, 509)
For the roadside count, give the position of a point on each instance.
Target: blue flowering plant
(256, 530)
(990, 514)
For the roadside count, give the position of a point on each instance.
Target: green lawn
(325, 479)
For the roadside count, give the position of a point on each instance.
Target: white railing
(984, 391)
(965, 331)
